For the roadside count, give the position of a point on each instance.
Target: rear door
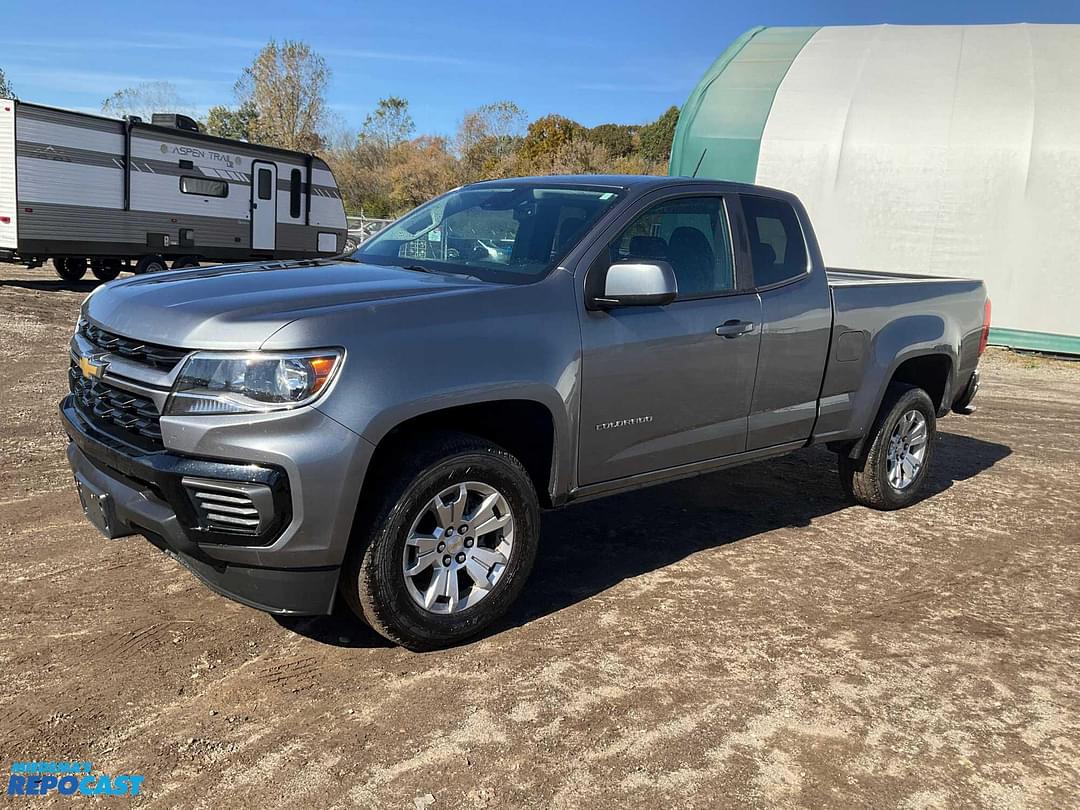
(660, 386)
(9, 218)
(263, 205)
(797, 316)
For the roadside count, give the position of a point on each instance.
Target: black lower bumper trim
(284, 592)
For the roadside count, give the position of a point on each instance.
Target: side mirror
(637, 284)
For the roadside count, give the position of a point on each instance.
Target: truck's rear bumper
(125, 494)
(963, 405)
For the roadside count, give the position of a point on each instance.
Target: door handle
(734, 328)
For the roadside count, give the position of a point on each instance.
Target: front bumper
(290, 569)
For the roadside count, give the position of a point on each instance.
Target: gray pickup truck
(387, 425)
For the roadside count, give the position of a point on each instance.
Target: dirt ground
(747, 638)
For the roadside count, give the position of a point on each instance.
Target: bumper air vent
(230, 506)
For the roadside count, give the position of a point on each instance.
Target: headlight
(218, 383)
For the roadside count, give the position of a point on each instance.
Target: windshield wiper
(419, 268)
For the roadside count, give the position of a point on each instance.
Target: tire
(70, 269)
(150, 264)
(184, 262)
(107, 270)
(375, 583)
(867, 479)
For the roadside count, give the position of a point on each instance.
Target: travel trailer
(96, 193)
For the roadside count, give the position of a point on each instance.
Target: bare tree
(389, 125)
(145, 99)
(6, 90)
(286, 87)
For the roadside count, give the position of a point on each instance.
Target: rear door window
(777, 247)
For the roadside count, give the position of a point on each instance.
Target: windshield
(512, 233)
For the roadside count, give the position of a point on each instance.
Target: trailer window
(204, 186)
(294, 194)
(265, 179)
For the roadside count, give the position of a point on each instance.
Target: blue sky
(594, 60)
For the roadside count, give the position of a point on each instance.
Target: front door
(664, 386)
(263, 205)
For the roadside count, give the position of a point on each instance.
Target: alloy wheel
(458, 547)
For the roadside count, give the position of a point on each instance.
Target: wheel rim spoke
(478, 573)
(489, 557)
(436, 588)
(423, 562)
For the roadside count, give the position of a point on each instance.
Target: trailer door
(9, 220)
(263, 205)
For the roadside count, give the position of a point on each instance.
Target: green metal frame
(719, 131)
(1034, 341)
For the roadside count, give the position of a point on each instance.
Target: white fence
(363, 228)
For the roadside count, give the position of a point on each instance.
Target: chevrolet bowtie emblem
(92, 366)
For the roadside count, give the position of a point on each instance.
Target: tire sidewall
(912, 399)
(382, 562)
(70, 269)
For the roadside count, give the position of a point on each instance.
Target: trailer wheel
(185, 262)
(150, 264)
(69, 268)
(107, 269)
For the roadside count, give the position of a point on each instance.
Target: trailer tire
(107, 270)
(69, 268)
(150, 264)
(184, 262)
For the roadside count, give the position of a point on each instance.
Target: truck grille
(128, 416)
(162, 358)
(228, 506)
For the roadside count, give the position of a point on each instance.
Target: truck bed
(845, 277)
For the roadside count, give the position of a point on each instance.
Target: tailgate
(9, 220)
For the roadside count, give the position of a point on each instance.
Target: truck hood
(240, 306)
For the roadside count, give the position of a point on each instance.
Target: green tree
(545, 139)
(656, 137)
(226, 122)
(6, 90)
(286, 88)
(390, 123)
(616, 139)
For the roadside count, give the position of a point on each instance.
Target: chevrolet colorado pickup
(385, 426)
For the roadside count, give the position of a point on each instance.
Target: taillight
(5, 220)
(985, 336)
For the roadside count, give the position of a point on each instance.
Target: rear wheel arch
(929, 370)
